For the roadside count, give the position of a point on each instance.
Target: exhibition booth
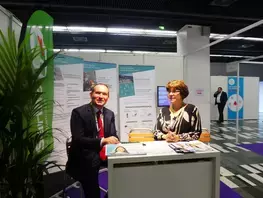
(136, 82)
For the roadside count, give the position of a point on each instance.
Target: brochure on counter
(125, 149)
(156, 147)
(190, 147)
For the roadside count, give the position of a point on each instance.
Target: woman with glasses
(180, 121)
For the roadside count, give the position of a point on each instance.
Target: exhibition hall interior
(183, 100)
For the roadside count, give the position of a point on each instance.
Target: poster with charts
(137, 98)
(68, 94)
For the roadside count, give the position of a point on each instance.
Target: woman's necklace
(173, 111)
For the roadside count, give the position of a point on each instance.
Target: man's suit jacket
(223, 98)
(86, 145)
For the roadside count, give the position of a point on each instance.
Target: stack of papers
(156, 148)
(190, 147)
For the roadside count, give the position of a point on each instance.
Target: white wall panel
(4, 20)
(261, 97)
(166, 67)
(251, 97)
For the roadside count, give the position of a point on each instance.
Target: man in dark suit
(92, 127)
(220, 101)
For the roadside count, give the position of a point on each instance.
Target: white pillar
(196, 68)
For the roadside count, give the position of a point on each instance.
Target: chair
(103, 175)
(205, 136)
(141, 135)
(77, 184)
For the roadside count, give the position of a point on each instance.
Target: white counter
(162, 173)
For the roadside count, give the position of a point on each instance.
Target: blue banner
(233, 100)
(94, 73)
(126, 80)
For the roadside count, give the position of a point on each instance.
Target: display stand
(164, 173)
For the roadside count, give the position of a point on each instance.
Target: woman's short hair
(178, 85)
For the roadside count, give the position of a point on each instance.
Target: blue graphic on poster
(126, 81)
(62, 59)
(89, 74)
(233, 99)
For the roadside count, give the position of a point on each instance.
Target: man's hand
(172, 137)
(110, 140)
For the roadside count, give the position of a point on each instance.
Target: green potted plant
(22, 162)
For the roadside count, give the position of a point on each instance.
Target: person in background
(180, 121)
(220, 101)
(92, 127)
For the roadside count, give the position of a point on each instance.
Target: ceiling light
(78, 29)
(60, 29)
(86, 29)
(229, 56)
(220, 36)
(253, 39)
(145, 52)
(117, 31)
(140, 32)
(72, 50)
(92, 50)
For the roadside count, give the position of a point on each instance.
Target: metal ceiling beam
(250, 59)
(229, 36)
(103, 9)
(252, 62)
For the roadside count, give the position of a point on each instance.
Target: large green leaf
(21, 163)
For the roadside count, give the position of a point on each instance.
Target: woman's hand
(172, 137)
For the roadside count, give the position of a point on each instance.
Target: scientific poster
(137, 98)
(106, 73)
(73, 78)
(68, 95)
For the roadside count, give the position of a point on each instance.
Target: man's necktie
(101, 135)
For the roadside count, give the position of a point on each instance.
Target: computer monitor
(162, 99)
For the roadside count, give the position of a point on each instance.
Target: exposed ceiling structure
(223, 16)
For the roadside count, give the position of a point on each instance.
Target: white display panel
(167, 67)
(4, 20)
(261, 97)
(137, 98)
(251, 96)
